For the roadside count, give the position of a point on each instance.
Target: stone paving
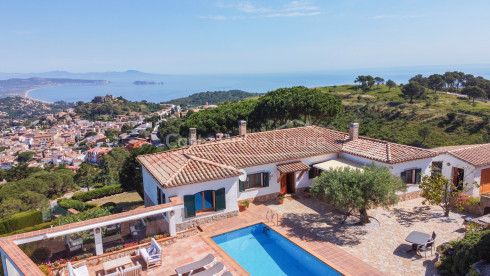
(380, 244)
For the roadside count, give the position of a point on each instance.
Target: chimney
(242, 127)
(192, 136)
(353, 131)
(219, 136)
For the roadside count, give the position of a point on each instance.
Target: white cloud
(291, 9)
(300, 6)
(384, 16)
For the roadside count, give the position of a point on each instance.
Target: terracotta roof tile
(222, 159)
(477, 155)
(293, 167)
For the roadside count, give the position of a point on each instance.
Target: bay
(176, 86)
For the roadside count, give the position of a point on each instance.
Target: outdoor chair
(216, 269)
(78, 269)
(113, 229)
(433, 238)
(116, 273)
(132, 271)
(428, 246)
(152, 255)
(191, 267)
(73, 245)
(227, 273)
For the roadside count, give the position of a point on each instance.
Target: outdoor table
(117, 263)
(417, 238)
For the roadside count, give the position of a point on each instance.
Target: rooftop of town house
(268, 147)
(477, 155)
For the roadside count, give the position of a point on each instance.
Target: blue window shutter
(241, 186)
(265, 180)
(190, 206)
(418, 175)
(404, 176)
(220, 199)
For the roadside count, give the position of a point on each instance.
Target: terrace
(374, 249)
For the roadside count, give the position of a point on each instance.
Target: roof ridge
(199, 159)
(388, 152)
(469, 147)
(171, 178)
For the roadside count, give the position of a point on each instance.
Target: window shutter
(265, 181)
(190, 206)
(311, 173)
(404, 176)
(418, 175)
(241, 185)
(220, 200)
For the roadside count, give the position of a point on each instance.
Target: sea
(177, 86)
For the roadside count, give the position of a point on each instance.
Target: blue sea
(176, 86)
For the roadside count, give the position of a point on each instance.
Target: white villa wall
(275, 187)
(150, 186)
(470, 173)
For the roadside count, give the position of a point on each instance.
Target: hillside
(22, 108)
(439, 119)
(216, 97)
(107, 107)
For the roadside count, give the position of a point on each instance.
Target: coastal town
(67, 139)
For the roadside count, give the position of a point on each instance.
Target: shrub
(30, 228)
(89, 206)
(98, 193)
(472, 248)
(72, 203)
(20, 220)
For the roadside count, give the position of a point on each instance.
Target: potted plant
(281, 197)
(306, 192)
(243, 205)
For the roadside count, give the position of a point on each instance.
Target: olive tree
(355, 190)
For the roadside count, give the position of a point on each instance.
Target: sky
(240, 37)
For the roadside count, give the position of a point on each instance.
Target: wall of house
(274, 186)
(470, 173)
(9, 267)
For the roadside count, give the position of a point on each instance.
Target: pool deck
(328, 252)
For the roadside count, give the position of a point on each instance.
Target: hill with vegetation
(22, 108)
(215, 97)
(107, 107)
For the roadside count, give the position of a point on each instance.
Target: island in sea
(21, 87)
(147, 83)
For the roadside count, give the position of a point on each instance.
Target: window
(458, 178)
(254, 181)
(436, 168)
(160, 196)
(314, 172)
(204, 201)
(412, 176)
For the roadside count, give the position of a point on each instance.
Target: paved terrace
(381, 243)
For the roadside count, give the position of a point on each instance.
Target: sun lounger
(227, 273)
(190, 267)
(216, 269)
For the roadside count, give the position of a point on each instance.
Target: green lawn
(125, 201)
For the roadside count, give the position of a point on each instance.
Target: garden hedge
(98, 193)
(20, 220)
(71, 203)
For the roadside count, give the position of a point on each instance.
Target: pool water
(262, 251)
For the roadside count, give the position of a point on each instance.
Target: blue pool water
(266, 252)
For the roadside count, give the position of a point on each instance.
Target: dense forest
(107, 109)
(216, 97)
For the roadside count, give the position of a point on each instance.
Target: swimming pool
(262, 251)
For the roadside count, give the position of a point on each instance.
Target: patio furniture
(73, 245)
(113, 229)
(417, 239)
(152, 255)
(190, 267)
(112, 239)
(137, 229)
(216, 269)
(227, 273)
(426, 247)
(78, 269)
(132, 271)
(117, 273)
(116, 263)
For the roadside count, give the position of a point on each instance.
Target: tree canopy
(413, 90)
(353, 190)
